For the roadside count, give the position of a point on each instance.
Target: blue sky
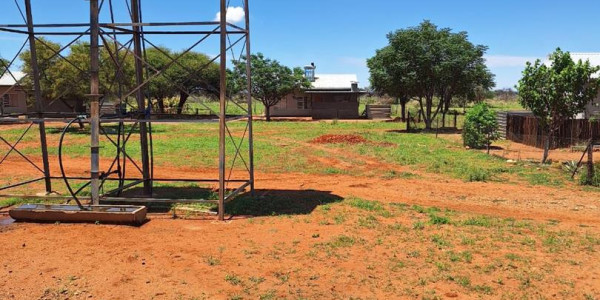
(339, 35)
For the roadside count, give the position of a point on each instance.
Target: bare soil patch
(340, 139)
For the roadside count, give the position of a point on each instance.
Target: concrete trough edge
(53, 213)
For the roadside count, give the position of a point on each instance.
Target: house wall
(342, 105)
(288, 107)
(335, 106)
(593, 108)
(60, 106)
(17, 100)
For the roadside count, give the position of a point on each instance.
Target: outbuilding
(331, 96)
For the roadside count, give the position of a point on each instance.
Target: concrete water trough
(111, 214)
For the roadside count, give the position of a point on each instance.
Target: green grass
(365, 204)
(16, 201)
(279, 148)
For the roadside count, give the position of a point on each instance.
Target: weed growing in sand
(418, 225)
(233, 279)
(438, 220)
(212, 261)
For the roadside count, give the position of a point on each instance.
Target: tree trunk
(546, 146)
(403, 107)
(182, 99)
(590, 162)
(444, 111)
(428, 105)
(161, 105)
(268, 113)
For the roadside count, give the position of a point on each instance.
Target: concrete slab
(106, 214)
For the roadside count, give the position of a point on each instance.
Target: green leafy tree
(271, 81)
(3, 66)
(557, 92)
(194, 74)
(67, 79)
(385, 79)
(481, 127)
(428, 63)
(162, 86)
(46, 60)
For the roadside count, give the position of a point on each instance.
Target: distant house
(13, 98)
(593, 108)
(331, 96)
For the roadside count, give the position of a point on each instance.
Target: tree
(3, 66)
(481, 127)
(271, 81)
(47, 60)
(161, 86)
(195, 74)
(425, 62)
(558, 92)
(385, 80)
(67, 79)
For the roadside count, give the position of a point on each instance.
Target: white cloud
(235, 14)
(499, 61)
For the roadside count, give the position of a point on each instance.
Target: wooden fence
(524, 129)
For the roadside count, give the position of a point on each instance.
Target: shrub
(583, 179)
(481, 127)
(478, 175)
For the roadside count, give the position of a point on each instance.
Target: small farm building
(13, 98)
(331, 96)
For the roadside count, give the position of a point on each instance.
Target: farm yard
(343, 210)
(195, 150)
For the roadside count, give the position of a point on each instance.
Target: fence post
(590, 164)
(408, 122)
(455, 118)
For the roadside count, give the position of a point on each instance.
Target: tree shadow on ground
(279, 202)
(263, 203)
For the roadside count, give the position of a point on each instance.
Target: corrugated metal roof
(334, 81)
(8, 80)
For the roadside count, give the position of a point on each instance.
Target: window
(309, 73)
(8, 100)
(301, 102)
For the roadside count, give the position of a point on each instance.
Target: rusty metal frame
(105, 33)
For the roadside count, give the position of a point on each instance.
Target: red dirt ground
(340, 139)
(170, 259)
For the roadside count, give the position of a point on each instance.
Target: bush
(583, 180)
(478, 175)
(481, 127)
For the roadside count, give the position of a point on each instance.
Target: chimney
(354, 86)
(309, 72)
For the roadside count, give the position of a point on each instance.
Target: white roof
(594, 58)
(7, 79)
(334, 81)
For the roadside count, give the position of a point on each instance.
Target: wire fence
(451, 121)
